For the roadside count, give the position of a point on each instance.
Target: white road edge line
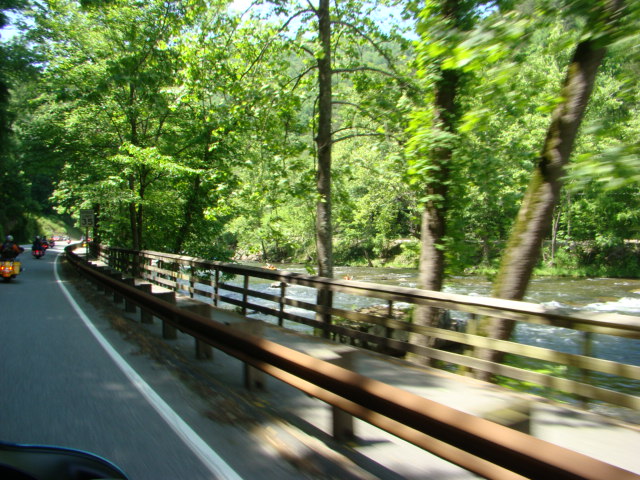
(210, 458)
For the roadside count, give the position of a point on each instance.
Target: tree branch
(301, 76)
(374, 44)
(362, 110)
(268, 44)
(312, 7)
(403, 81)
(354, 135)
(363, 69)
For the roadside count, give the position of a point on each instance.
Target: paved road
(59, 386)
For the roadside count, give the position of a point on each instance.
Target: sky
(9, 31)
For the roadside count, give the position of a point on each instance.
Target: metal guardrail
(478, 445)
(198, 277)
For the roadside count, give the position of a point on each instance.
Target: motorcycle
(37, 253)
(40, 462)
(9, 269)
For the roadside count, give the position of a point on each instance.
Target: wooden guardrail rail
(210, 279)
(481, 446)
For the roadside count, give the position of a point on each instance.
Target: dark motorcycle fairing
(40, 462)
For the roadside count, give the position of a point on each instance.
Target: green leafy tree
(451, 48)
(14, 188)
(536, 212)
(113, 83)
(331, 39)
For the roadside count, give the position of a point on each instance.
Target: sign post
(87, 219)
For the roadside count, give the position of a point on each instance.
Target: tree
(113, 84)
(13, 183)
(446, 60)
(536, 212)
(333, 47)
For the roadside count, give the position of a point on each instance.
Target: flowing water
(567, 294)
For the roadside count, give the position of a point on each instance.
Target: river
(606, 295)
(587, 294)
(612, 295)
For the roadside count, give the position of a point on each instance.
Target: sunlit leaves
(614, 168)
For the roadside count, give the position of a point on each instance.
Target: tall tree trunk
(433, 230)
(97, 240)
(134, 213)
(139, 221)
(324, 233)
(192, 209)
(536, 212)
(133, 217)
(324, 228)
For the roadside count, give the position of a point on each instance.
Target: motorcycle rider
(10, 249)
(37, 244)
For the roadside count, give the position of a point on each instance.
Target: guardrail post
(204, 351)
(117, 297)
(516, 416)
(169, 332)
(145, 315)
(388, 331)
(342, 422)
(254, 379)
(192, 283)
(177, 268)
(129, 306)
(469, 351)
(105, 271)
(145, 272)
(587, 351)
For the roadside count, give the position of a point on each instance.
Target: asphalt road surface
(60, 386)
(78, 372)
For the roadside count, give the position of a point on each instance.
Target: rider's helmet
(37, 237)
(9, 238)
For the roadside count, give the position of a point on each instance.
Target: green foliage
(202, 123)
(602, 257)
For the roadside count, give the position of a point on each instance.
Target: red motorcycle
(37, 253)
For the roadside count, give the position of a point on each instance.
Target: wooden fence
(217, 282)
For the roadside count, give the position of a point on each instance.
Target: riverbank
(584, 259)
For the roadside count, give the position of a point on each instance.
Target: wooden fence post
(324, 302)
(245, 294)
(216, 286)
(587, 351)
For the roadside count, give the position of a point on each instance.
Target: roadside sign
(86, 218)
